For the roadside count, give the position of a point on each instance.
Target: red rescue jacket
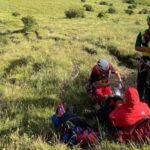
(131, 112)
(97, 75)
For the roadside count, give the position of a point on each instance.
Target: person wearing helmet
(99, 83)
(142, 45)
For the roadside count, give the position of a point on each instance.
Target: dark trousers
(141, 83)
(142, 86)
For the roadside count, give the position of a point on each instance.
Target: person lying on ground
(74, 129)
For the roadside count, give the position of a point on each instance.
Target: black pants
(142, 81)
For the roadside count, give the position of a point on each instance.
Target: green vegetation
(90, 50)
(129, 11)
(30, 24)
(129, 1)
(75, 13)
(111, 10)
(83, 1)
(15, 14)
(131, 6)
(103, 3)
(144, 11)
(88, 7)
(46, 58)
(101, 14)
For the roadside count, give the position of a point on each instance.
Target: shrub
(111, 10)
(111, 4)
(137, 22)
(88, 7)
(74, 13)
(134, 6)
(83, 1)
(129, 11)
(144, 11)
(131, 6)
(103, 3)
(37, 66)
(101, 14)
(15, 14)
(129, 1)
(30, 24)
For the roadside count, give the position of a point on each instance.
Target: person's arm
(138, 45)
(118, 76)
(142, 49)
(93, 78)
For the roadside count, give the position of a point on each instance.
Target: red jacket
(131, 112)
(97, 75)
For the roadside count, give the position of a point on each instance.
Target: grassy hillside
(38, 71)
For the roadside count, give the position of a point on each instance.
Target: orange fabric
(131, 112)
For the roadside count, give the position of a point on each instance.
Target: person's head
(148, 20)
(132, 97)
(103, 65)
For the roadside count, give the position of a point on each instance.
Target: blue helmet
(56, 120)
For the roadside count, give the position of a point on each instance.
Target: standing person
(143, 46)
(99, 82)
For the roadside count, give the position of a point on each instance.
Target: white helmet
(103, 64)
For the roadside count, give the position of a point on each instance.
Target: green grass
(144, 2)
(37, 73)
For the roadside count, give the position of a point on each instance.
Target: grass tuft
(129, 11)
(16, 14)
(88, 7)
(111, 10)
(74, 13)
(30, 24)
